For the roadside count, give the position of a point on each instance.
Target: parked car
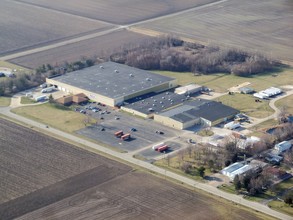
(159, 132)
(133, 129)
(82, 111)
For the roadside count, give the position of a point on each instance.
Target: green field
(246, 104)
(5, 64)
(65, 120)
(281, 207)
(222, 82)
(4, 101)
(26, 100)
(286, 102)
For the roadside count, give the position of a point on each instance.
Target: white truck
(41, 98)
(49, 89)
(232, 125)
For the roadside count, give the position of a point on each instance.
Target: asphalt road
(128, 158)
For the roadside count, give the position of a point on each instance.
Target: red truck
(118, 133)
(163, 148)
(125, 137)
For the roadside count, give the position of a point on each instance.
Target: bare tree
(282, 116)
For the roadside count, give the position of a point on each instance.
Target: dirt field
(30, 161)
(100, 46)
(117, 11)
(43, 178)
(23, 27)
(138, 196)
(256, 25)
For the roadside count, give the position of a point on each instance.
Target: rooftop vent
(131, 75)
(101, 67)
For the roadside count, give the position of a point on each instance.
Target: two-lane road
(128, 158)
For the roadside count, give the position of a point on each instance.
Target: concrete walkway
(128, 158)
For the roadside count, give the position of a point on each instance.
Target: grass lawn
(221, 82)
(259, 129)
(246, 104)
(162, 163)
(286, 102)
(5, 64)
(228, 188)
(65, 120)
(260, 197)
(174, 166)
(281, 207)
(4, 101)
(205, 133)
(284, 185)
(26, 100)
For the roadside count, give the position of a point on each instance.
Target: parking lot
(150, 154)
(109, 121)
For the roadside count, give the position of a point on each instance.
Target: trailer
(156, 146)
(41, 98)
(49, 89)
(125, 137)
(232, 125)
(118, 133)
(163, 148)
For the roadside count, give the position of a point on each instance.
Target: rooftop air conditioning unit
(116, 71)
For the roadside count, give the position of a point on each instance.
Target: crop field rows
(258, 26)
(137, 196)
(100, 46)
(117, 11)
(43, 178)
(24, 27)
(30, 161)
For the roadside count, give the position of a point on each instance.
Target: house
(283, 146)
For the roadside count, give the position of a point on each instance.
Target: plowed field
(263, 26)
(24, 26)
(99, 46)
(118, 11)
(43, 178)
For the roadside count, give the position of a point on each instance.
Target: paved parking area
(144, 135)
(150, 154)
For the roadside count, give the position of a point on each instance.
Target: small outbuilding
(246, 90)
(188, 89)
(283, 146)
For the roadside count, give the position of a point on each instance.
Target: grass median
(4, 101)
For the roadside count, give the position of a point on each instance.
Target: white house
(283, 146)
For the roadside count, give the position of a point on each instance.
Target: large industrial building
(112, 83)
(196, 112)
(153, 103)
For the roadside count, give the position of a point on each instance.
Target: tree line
(172, 54)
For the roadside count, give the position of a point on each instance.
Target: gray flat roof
(155, 101)
(200, 108)
(113, 79)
